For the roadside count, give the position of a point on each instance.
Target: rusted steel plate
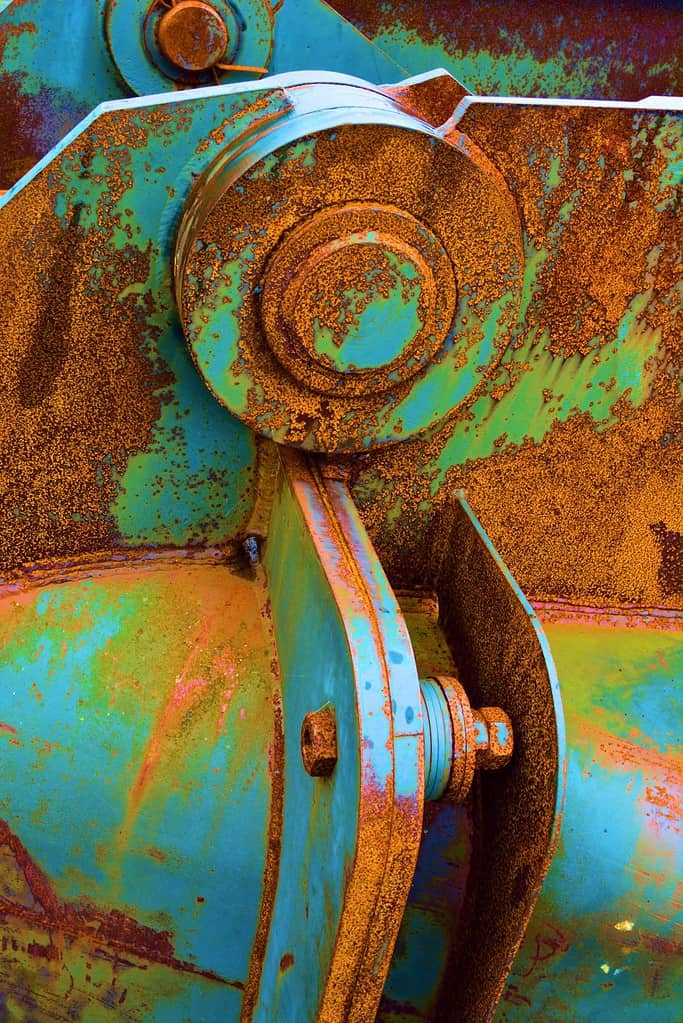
(107, 435)
(574, 447)
(350, 839)
(503, 658)
(532, 48)
(480, 870)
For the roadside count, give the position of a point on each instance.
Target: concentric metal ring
(357, 298)
(316, 270)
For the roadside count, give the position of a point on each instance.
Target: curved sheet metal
(503, 658)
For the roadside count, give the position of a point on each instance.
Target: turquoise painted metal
(610, 912)
(281, 712)
(42, 96)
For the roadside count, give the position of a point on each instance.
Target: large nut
(319, 742)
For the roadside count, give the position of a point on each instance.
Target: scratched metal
(531, 48)
(606, 940)
(43, 95)
(137, 704)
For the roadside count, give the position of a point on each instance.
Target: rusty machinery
(304, 374)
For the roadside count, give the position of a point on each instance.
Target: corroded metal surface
(573, 448)
(462, 739)
(501, 654)
(500, 281)
(193, 35)
(444, 868)
(532, 48)
(459, 739)
(185, 756)
(381, 272)
(493, 856)
(388, 302)
(42, 96)
(319, 750)
(156, 46)
(106, 431)
(336, 917)
(137, 703)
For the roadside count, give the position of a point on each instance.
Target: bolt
(192, 35)
(494, 740)
(459, 739)
(319, 742)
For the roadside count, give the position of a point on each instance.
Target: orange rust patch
(598, 176)
(74, 404)
(571, 516)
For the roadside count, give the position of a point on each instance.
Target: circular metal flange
(164, 44)
(357, 298)
(350, 279)
(464, 739)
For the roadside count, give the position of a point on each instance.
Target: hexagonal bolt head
(319, 741)
(494, 739)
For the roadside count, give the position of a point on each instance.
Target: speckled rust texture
(583, 185)
(615, 51)
(434, 182)
(499, 658)
(432, 100)
(585, 508)
(73, 403)
(576, 517)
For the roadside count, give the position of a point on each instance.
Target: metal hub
(357, 299)
(459, 739)
(194, 36)
(316, 271)
(166, 44)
